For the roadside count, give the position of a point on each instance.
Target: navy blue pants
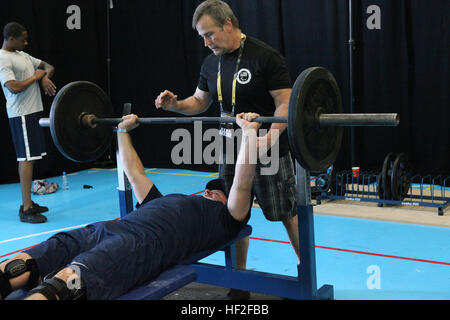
(112, 257)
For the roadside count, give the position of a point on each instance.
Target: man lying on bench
(105, 260)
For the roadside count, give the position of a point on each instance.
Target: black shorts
(28, 137)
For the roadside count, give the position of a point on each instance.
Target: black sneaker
(235, 294)
(39, 209)
(31, 215)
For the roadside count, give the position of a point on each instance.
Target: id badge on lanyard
(226, 129)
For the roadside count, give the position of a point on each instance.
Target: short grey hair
(218, 10)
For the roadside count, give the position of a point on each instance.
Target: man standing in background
(19, 76)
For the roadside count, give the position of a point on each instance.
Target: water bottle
(65, 183)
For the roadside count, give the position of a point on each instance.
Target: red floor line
(361, 252)
(320, 247)
(271, 240)
(17, 251)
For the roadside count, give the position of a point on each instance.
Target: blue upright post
(124, 187)
(307, 267)
(125, 201)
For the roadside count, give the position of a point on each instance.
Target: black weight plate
(384, 180)
(380, 189)
(400, 177)
(315, 91)
(74, 141)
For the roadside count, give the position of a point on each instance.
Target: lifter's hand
(245, 121)
(129, 122)
(166, 100)
(249, 127)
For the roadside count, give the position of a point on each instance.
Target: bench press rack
(302, 287)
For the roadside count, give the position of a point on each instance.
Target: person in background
(20, 74)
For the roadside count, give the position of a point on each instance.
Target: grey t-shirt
(20, 66)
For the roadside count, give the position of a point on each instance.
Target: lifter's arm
(130, 160)
(239, 201)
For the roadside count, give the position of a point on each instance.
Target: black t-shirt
(261, 69)
(184, 224)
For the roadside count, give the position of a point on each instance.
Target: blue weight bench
(171, 279)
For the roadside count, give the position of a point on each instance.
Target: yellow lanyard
(233, 89)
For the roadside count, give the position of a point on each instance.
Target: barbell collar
(359, 119)
(44, 122)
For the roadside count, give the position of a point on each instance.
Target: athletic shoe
(32, 215)
(40, 209)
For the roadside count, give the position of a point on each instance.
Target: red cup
(355, 171)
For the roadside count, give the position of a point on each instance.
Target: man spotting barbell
(243, 74)
(110, 258)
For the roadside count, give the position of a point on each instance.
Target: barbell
(81, 118)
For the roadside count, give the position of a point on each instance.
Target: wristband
(117, 129)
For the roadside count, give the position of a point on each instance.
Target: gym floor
(364, 251)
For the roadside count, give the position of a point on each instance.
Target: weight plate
(399, 178)
(315, 91)
(384, 180)
(74, 141)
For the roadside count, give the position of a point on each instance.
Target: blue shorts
(28, 137)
